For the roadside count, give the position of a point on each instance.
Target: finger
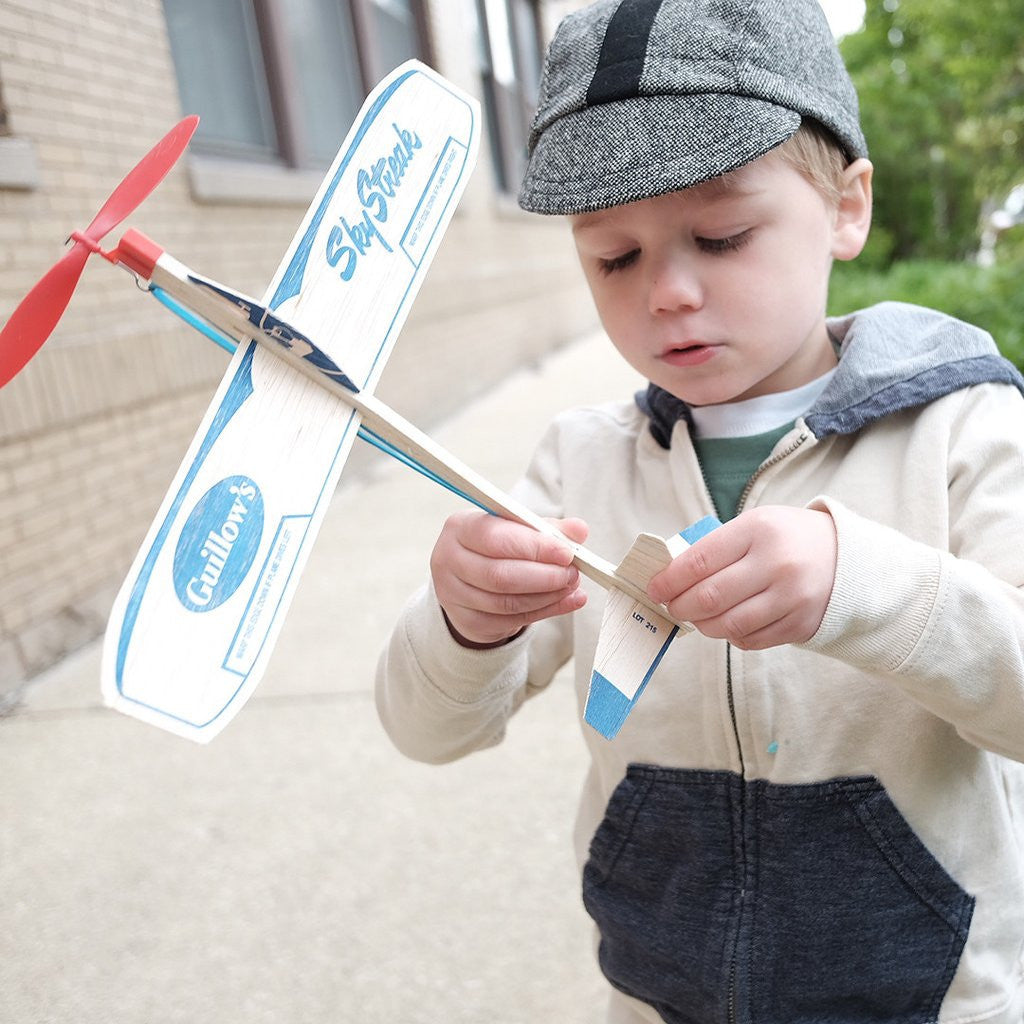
(497, 538)
(721, 592)
(487, 555)
(739, 623)
(790, 629)
(711, 554)
(575, 529)
(512, 575)
(514, 613)
(760, 623)
(507, 603)
(484, 628)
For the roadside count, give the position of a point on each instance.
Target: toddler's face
(717, 293)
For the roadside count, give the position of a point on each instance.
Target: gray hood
(892, 357)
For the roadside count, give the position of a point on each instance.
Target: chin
(703, 396)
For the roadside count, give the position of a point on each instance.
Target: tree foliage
(941, 86)
(989, 297)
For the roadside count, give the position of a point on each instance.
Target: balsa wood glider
(194, 624)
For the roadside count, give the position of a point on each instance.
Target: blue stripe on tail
(607, 706)
(701, 528)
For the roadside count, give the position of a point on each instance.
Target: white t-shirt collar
(758, 415)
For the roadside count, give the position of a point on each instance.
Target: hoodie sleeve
(947, 627)
(439, 701)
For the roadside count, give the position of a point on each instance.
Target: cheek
(789, 280)
(622, 332)
(809, 258)
(613, 305)
(625, 329)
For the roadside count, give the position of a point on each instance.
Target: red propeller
(38, 313)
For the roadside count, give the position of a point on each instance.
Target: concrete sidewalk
(298, 869)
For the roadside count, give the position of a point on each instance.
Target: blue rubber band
(202, 326)
(379, 443)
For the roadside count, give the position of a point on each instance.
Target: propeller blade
(37, 314)
(142, 178)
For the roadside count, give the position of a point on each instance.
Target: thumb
(575, 529)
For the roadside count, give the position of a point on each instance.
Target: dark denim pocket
(720, 899)
(662, 883)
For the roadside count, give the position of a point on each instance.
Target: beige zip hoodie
(829, 831)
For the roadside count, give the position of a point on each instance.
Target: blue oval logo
(218, 544)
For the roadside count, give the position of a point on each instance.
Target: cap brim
(640, 147)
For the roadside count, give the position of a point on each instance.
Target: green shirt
(728, 463)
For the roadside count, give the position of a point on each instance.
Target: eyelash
(716, 246)
(711, 246)
(617, 263)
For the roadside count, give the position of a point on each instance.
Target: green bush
(992, 298)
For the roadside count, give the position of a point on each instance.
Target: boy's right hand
(494, 577)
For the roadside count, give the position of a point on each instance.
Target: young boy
(816, 812)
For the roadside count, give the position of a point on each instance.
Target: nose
(674, 286)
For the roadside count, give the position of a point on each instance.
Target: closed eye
(719, 246)
(610, 266)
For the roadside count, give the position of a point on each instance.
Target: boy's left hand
(760, 580)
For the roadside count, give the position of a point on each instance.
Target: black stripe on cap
(621, 62)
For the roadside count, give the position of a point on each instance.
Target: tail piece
(634, 639)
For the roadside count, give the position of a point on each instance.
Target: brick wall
(92, 431)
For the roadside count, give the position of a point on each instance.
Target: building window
(511, 57)
(394, 30)
(19, 166)
(280, 81)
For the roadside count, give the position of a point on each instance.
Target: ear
(853, 214)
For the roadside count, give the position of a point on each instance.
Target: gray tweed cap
(643, 97)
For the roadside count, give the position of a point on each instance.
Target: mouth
(690, 354)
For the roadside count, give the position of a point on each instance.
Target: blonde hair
(814, 152)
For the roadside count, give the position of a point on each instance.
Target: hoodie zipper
(773, 460)
(731, 1008)
(734, 956)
